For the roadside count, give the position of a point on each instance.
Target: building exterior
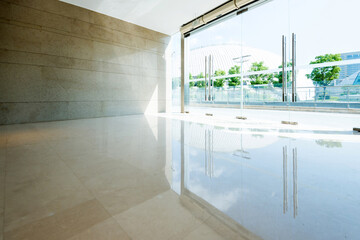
(349, 70)
(353, 79)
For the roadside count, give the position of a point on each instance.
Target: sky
(321, 26)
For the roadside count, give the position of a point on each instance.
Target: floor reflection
(249, 177)
(209, 153)
(285, 180)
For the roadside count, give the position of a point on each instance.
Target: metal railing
(268, 94)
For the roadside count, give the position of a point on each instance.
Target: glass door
(214, 75)
(239, 62)
(265, 31)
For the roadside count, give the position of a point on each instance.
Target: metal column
(210, 70)
(206, 67)
(209, 88)
(212, 81)
(284, 66)
(182, 73)
(294, 94)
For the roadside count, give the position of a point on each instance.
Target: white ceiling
(165, 16)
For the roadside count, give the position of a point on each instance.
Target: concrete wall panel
(59, 61)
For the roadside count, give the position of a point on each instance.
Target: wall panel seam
(81, 59)
(69, 68)
(75, 69)
(59, 32)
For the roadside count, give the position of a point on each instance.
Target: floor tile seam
(137, 205)
(122, 212)
(205, 220)
(59, 212)
(114, 218)
(192, 228)
(148, 174)
(147, 200)
(83, 184)
(207, 213)
(184, 235)
(95, 197)
(111, 217)
(140, 203)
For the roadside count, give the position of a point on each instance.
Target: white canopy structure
(225, 53)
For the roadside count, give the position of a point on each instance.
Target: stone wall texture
(59, 62)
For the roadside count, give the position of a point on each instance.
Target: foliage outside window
(221, 81)
(234, 81)
(259, 78)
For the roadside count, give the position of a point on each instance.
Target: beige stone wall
(59, 61)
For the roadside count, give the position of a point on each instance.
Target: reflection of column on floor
(295, 186)
(285, 197)
(295, 198)
(209, 152)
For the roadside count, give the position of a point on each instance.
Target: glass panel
(262, 44)
(247, 52)
(176, 71)
(328, 28)
(328, 55)
(221, 44)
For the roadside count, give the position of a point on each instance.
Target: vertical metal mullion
(210, 58)
(206, 69)
(183, 72)
(284, 65)
(212, 81)
(294, 94)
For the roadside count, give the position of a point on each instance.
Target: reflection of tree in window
(328, 143)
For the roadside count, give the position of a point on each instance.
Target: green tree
(221, 81)
(279, 75)
(259, 78)
(200, 84)
(191, 84)
(234, 81)
(323, 76)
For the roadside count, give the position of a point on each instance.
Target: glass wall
(175, 62)
(246, 53)
(328, 53)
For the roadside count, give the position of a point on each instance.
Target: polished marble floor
(104, 178)
(175, 177)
